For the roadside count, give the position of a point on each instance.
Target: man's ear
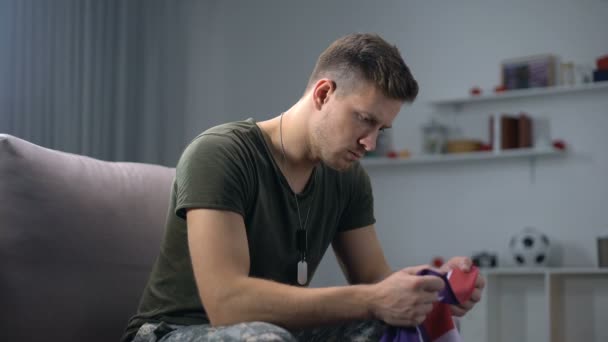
(322, 92)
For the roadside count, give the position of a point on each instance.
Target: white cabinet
(545, 304)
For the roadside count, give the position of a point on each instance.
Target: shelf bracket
(532, 162)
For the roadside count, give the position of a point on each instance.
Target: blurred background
(137, 80)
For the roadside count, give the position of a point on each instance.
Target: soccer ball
(530, 248)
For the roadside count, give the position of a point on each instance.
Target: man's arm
(360, 255)
(220, 259)
(362, 260)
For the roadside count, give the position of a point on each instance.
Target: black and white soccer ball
(530, 248)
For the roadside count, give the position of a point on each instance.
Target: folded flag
(439, 325)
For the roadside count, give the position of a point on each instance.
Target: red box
(602, 63)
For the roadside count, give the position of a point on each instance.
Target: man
(254, 207)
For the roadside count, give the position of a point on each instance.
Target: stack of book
(513, 131)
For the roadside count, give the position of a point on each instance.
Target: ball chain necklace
(301, 233)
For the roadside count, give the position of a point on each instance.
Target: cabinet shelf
(510, 271)
(540, 304)
(522, 93)
(458, 157)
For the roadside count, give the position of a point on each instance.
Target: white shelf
(549, 304)
(458, 157)
(521, 93)
(509, 271)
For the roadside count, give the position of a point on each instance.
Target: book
(524, 131)
(514, 131)
(529, 72)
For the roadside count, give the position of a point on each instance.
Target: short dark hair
(369, 57)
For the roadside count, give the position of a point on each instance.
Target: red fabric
(439, 321)
(463, 283)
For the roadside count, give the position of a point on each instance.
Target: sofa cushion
(78, 237)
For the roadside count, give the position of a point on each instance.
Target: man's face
(348, 125)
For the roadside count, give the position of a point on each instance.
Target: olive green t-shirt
(230, 167)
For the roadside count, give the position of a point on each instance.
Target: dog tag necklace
(301, 233)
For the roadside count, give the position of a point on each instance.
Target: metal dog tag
(302, 272)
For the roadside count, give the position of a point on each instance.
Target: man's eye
(365, 119)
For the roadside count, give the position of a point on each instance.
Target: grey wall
(99, 78)
(261, 54)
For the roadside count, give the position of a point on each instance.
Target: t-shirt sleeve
(210, 174)
(359, 209)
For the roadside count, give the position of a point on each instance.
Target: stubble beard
(321, 144)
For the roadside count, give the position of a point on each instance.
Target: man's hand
(404, 298)
(464, 264)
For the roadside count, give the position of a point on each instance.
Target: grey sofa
(78, 237)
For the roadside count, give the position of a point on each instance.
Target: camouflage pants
(363, 331)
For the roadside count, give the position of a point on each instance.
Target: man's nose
(369, 141)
